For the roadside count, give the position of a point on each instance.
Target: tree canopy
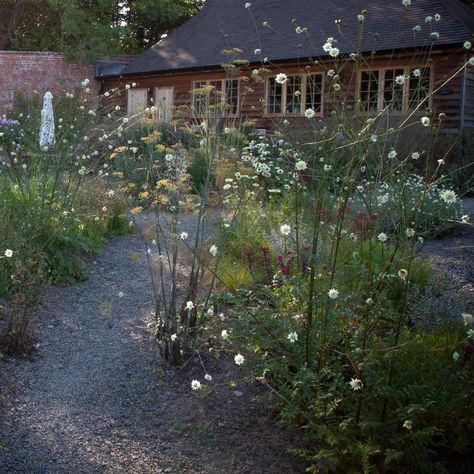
(89, 28)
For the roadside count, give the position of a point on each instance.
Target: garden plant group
(302, 264)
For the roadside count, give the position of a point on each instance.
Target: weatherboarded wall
(28, 72)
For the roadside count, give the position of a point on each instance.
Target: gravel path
(96, 398)
(454, 254)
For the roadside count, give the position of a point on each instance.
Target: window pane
(419, 87)
(199, 98)
(275, 92)
(314, 95)
(293, 95)
(393, 89)
(215, 94)
(369, 90)
(232, 96)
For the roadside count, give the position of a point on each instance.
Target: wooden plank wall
(444, 63)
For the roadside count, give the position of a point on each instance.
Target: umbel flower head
(285, 229)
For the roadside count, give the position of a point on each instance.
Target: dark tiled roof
(223, 24)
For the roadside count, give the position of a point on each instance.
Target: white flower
(408, 424)
(257, 52)
(406, 3)
(8, 253)
(208, 377)
(196, 385)
(416, 73)
(400, 80)
(239, 359)
(174, 337)
(120, 294)
(213, 250)
(471, 61)
(327, 47)
(183, 235)
(292, 337)
(448, 196)
(333, 293)
(285, 229)
(392, 155)
(382, 237)
(465, 219)
(224, 335)
(281, 78)
(127, 86)
(334, 52)
(441, 162)
(356, 384)
(467, 318)
(437, 17)
(300, 165)
(415, 155)
(360, 18)
(85, 82)
(189, 306)
(425, 121)
(434, 35)
(327, 167)
(417, 28)
(428, 19)
(467, 45)
(309, 113)
(410, 232)
(248, 5)
(402, 273)
(456, 356)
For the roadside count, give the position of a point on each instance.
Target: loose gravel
(453, 254)
(96, 398)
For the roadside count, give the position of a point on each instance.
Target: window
(298, 93)
(220, 93)
(419, 87)
(396, 89)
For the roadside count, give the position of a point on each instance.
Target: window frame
(381, 88)
(284, 93)
(207, 83)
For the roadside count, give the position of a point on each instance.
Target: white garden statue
(46, 135)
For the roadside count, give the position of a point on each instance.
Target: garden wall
(29, 71)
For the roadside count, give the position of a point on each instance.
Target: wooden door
(137, 101)
(164, 103)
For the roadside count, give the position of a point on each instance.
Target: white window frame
(407, 70)
(223, 82)
(304, 83)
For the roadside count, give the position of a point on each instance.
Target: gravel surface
(453, 254)
(95, 397)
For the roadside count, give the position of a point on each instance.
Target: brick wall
(30, 71)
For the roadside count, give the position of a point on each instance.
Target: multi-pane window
(275, 96)
(298, 93)
(393, 89)
(396, 89)
(314, 92)
(293, 95)
(232, 96)
(419, 87)
(222, 94)
(369, 90)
